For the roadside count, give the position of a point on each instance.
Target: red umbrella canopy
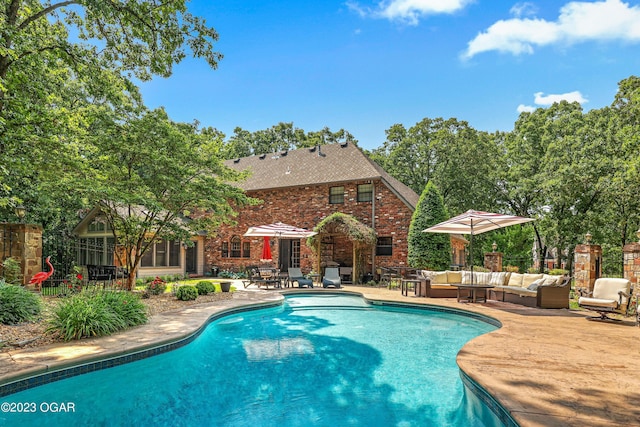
(266, 250)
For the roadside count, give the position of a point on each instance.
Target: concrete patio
(546, 367)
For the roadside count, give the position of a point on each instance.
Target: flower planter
(225, 286)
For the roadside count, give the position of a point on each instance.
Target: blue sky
(365, 65)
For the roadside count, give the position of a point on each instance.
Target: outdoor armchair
(608, 296)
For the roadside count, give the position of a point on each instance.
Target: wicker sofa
(533, 290)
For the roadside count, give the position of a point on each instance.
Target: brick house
(301, 187)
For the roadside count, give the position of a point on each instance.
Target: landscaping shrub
(157, 286)
(11, 271)
(94, 314)
(187, 293)
(126, 305)
(204, 287)
(18, 304)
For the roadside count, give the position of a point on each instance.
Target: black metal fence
(68, 254)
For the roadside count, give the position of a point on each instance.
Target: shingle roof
(326, 164)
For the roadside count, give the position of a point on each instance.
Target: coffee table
(473, 292)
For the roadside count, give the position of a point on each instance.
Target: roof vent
(312, 149)
(262, 156)
(344, 144)
(284, 153)
(237, 160)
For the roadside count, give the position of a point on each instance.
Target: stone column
(23, 242)
(493, 261)
(587, 266)
(631, 264)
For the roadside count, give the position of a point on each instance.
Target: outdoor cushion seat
(609, 295)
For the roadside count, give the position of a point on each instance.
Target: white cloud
(408, 11)
(578, 21)
(523, 9)
(542, 100)
(526, 108)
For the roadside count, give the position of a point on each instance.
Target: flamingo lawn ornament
(38, 278)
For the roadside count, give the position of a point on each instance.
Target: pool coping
(516, 373)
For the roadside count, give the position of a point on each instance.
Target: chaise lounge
(331, 278)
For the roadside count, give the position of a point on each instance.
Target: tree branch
(45, 12)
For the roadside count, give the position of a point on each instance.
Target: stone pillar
(631, 264)
(23, 242)
(493, 261)
(587, 266)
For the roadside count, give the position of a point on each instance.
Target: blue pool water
(316, 361)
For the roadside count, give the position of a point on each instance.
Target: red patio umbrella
(266, 250)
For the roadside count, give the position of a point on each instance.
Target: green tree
(63, 63)
(155, 179)
(428, 250)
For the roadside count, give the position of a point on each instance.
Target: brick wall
(305, 207)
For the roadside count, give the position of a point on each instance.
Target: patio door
(289, 254)
(191, 266)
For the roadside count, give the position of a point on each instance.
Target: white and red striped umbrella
(279, 230)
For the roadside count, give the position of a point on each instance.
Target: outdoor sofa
(533, 290)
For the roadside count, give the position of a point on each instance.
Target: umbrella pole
(471, 252)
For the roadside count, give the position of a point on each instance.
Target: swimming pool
(318, 360)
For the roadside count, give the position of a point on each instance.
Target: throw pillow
(497, 279)
(535, 284)
(466, 278)
(515, 280)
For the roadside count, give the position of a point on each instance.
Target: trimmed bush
(205, 287)
(187, 293)
(94, 314)
(18, 305)
(157, 286)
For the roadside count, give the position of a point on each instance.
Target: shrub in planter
(18, 304)
(157, 286)
(205, 287)
(126, 305)
(187, 293)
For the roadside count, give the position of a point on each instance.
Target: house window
(235, 247)
(336, 195)
(246, 250)
(384, 246)
(365, 192)
(96, 250)
(162, 254)
(98, 225)
(225, 250)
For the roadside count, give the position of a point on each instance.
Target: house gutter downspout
(373, 225)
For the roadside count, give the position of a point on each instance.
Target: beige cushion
(454, 277)
(498, 279)
(597, 302)
(467, 278)
(482, 278)
(549, 280)
(439, 277)
(608, 289)
(515, 279)
(528, 279)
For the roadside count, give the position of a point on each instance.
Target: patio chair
(608, 296)
(345, 274)
(253, 277)
(295, 275)
(331, 277)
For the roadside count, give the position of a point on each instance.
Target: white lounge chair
(608, 296)
(331, 277)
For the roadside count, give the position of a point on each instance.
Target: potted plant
(225, 286)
